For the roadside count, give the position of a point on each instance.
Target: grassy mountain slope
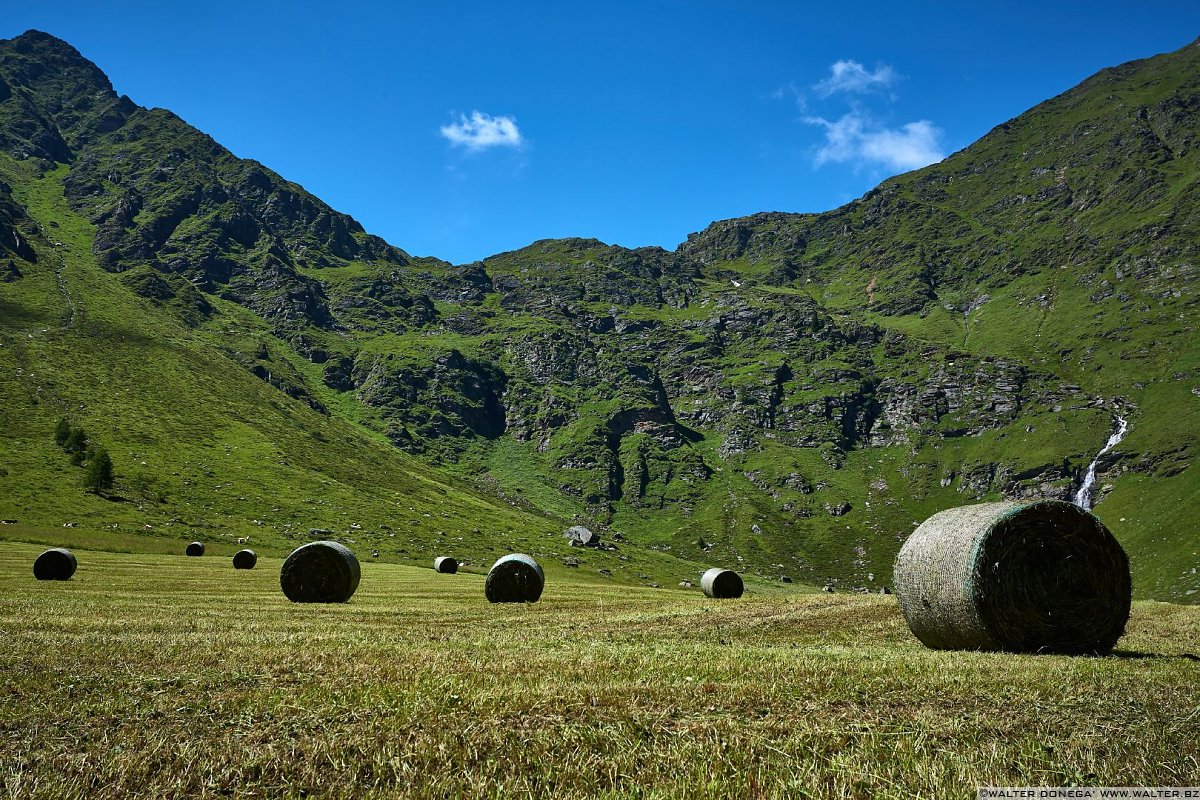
(206, 444)
(1065, 240)
(787, 393)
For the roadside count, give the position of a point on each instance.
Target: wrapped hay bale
(722, 583)
(195, 549)
(245, 559)
(1033, 577)
(514, 578)
(445, 564)
(56, 564)
(320, 572)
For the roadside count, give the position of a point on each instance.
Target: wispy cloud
(856, 138)
(852, 77)
(482, 131)
(790, 91)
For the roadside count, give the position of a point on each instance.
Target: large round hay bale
(445, 564)
(56, 564)
(722, 583)
(1033, 577)
(320, 572)
(245, 559)
(514, 578)
(195, 549)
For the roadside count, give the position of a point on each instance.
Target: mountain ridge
(787, 392)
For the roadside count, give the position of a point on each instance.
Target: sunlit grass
(158, 675)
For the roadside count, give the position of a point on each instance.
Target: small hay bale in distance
(445, 564)
(195, 549)
(514, 578)
(245, 559)
(722, 583)
(56, 564)
(1033, 577)
(320, 572)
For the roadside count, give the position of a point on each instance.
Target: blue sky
(463, 129)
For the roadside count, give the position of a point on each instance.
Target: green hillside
(786, 394)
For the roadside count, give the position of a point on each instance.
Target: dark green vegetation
(163, 676)
(786, 394)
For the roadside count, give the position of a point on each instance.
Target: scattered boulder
(9, 272)
(579, 536)
(837, 509)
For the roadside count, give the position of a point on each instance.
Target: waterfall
(1083, 498)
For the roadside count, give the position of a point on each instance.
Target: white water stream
(1083, 498)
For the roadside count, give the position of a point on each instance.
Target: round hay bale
(445, 564)
(195, 549)
(722, 583)
(56, 564)
(514, 578)
(320, 572)
(245, 559)
(1033, 577)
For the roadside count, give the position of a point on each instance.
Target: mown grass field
(153, 675)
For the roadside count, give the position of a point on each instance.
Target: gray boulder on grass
(580, 536)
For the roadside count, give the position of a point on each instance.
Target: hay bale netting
(1045, 576)
(514, 578)
(245, 559)
(56, 564)
(722, 583)
(445, 564)
(320, 572)
(195, 549)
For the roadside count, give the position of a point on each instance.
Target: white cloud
(482, 131)
(790, 90)
(856, 138)
(851, 76)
